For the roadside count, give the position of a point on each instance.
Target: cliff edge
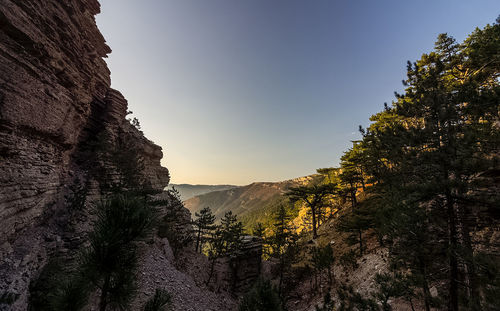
(55, 96)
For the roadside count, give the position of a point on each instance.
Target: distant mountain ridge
(188, 191)
(252, 203)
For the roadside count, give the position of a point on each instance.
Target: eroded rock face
(54, 96)
(247, 265)
(238, 273)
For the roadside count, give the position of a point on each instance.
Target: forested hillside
(187, 191)
(421, 187)
(252, 203)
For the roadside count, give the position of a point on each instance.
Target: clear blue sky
(237, 91)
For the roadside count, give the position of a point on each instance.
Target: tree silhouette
(204, 224)
(427, 150)
(110, 261)
(282, 244)
(159, 302)
(225, 240)
(262, 297)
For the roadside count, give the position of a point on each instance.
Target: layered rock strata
(55, 96)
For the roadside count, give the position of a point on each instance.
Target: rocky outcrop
(247, 264)
(237, 273)
(55, 96)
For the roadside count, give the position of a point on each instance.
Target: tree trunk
(104, 294)
(360, 242)
(198, 240)
(411, 304)
(471, 277)
(282, 268)
(453, 262)
(315, 279)
(212, 266)
(425, 287)
(330, 276)
(354, 202)
(313, 212)
(363, 185)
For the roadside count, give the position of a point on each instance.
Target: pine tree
(159, 302)
(259, 230)
(110, 261)
(314, 196)
(174, 225)
(359, 220)
(446, 145)
(322, 258)
(204, 226)
(261, 297)
(328, 303)
(352, 173)
(231, 230)
(282, 243)
(426, 151)
(225, 240)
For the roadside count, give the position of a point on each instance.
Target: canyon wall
(55, 97)
(54, 94)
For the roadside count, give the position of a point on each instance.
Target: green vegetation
(107, 266)
(328, 303)
(225, 240)
(173, 225)
(348, 260)
(418, 180)
(419, 162)
(351, 300)
(282, 245)
(422, 156)
(204, 224)
(111, 259)
(262, 297)
(259, 230)
(159, 302)
(392, 286)
(355, 223)
(263, 212)
(254, 203)
(322, 259)
(315, 197)
(7, 298)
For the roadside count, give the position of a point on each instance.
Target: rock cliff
(55, 96)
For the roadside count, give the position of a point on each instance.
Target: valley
(187, 191)
(252, 203)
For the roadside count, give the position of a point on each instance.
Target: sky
(238, 91)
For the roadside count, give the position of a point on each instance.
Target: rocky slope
(55, 97)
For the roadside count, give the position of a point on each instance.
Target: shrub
(7, 298)
(159, 302)
(348, 260)
(262, 297)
